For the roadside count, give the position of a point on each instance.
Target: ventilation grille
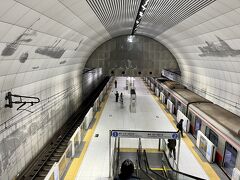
(117, 16)
(161, 15)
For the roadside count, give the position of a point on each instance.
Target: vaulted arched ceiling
(44, 39)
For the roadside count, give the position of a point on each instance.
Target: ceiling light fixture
(141, 10)
(130, 38)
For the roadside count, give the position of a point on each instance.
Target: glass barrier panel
(69, 153)
(62, 164)
(77, 139)
(50, 175)
(65, 159)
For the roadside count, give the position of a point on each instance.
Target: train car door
(229, 159)
(198, 124)
(212, 136)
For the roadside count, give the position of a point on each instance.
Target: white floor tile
(95, 165)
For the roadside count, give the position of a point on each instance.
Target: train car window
(212, 136)
(173, 100)
(198, 124)
(190, 116)
(160, 88)
(184, 109)
(229, 159)
(207, 131)
(179, 105)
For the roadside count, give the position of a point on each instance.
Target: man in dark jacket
(180, 126)
(116, 95)
(172, 147)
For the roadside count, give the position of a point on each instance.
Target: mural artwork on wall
(62, 62)
(78, 45)
(7, 148)
(14, 141)
(23, 57)
(132, 56)
(51, 51)
(11, 48)
(220, 49)
(35, 67)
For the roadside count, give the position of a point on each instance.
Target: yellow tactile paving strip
(150, 150)
(76, 163)
(205, 165)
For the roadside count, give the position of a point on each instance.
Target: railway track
(55, 148)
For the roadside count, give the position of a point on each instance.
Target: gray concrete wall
(23, 134)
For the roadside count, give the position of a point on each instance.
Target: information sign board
(144, 134)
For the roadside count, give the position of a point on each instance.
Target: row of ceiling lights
(141, 11)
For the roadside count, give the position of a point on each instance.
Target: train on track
(215, 129)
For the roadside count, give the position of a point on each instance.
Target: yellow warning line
(161, 169)
(76, 163)
(149, 150)
(205, 165)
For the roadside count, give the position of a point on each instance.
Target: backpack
(178, 125)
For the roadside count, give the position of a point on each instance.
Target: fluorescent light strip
(142, 8)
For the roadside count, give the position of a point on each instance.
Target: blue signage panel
(174, 135)
(115, 134)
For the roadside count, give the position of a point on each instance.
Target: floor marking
(148, 150)
(161, 169)
(76, 163)
(205, 165)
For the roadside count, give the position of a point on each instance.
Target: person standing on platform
(180, 126)
(172, 147)
(116, 95)
(121, 99)
(115, 82)
(121, 96)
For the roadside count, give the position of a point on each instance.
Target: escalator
(174, 174)
(165, 170)
(146, 167)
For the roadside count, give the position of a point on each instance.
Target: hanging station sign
(144, 134)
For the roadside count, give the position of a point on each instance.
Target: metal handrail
(140, 166)
(147, 164)
(178, 172)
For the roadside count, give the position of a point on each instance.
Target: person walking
(115, 82)
(180, 126)
(172, 147)
(121, 100)
(116, 95)
(121, 96)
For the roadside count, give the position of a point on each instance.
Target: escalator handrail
(118, 157)
(114, 166)
(140, 166)
(147, 163)
(188, 175)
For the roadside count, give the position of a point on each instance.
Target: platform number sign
(114, 134)
(174, 135)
